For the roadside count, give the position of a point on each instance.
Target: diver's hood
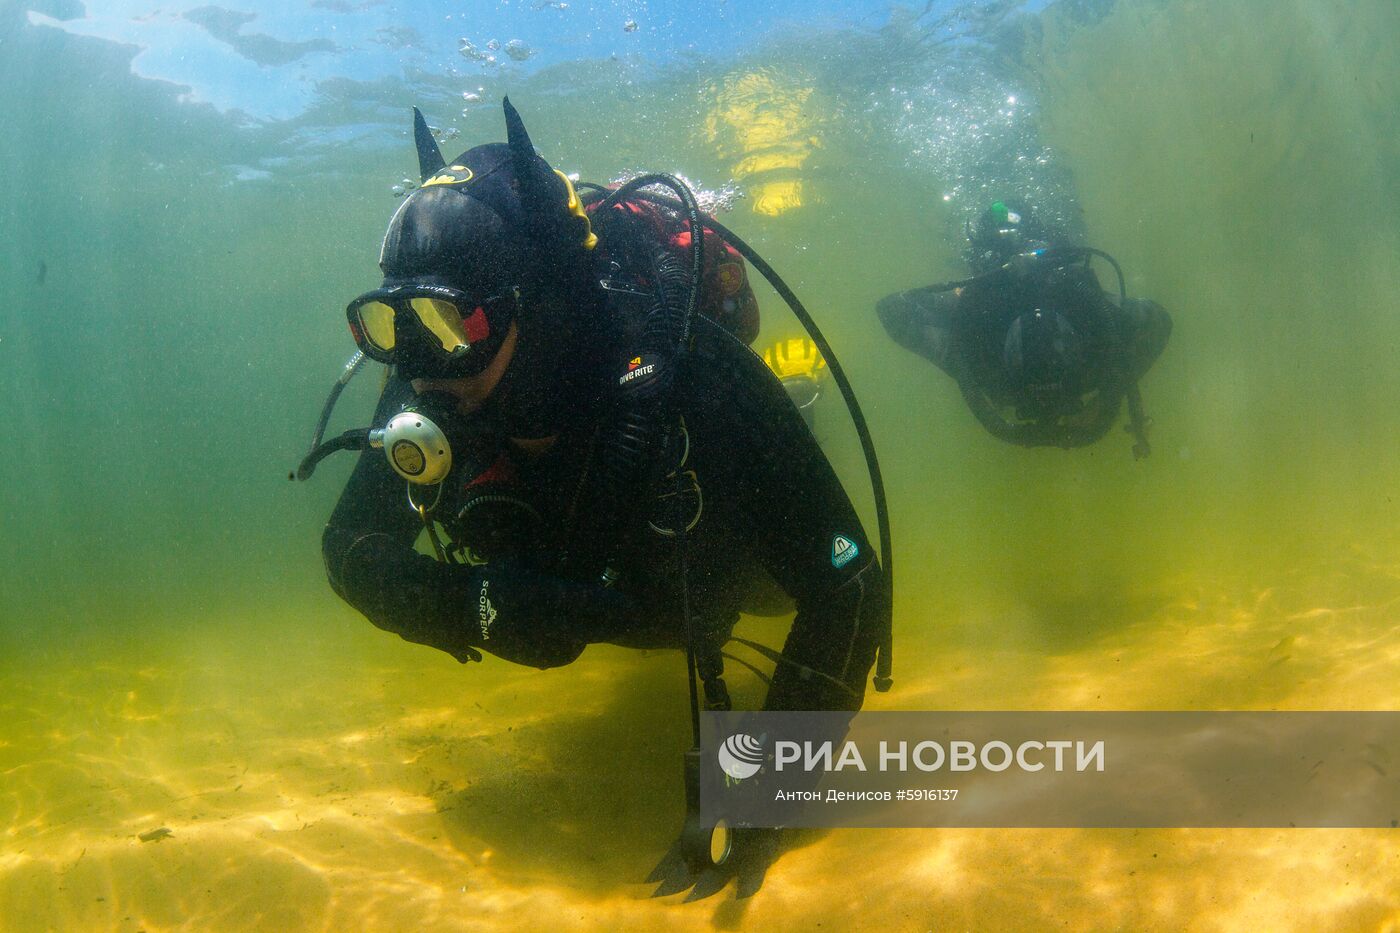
(439, 237)
(497, 215)
(495, 218)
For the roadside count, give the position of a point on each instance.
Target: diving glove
(538, 619)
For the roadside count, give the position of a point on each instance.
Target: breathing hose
(884, 666)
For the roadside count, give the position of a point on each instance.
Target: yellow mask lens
(443, 321)
(377, 322)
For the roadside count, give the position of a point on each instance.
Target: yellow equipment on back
(795, 357)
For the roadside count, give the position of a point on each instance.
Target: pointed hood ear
(551, 206)
(531, 171)
(522, 151)
(430, 158)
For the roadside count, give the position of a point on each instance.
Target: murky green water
(172, 656)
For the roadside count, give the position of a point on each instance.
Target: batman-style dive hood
(494, 219)
(497, 215)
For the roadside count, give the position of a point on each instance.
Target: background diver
(1043, 356)
(611, 462)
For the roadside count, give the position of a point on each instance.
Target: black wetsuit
(772, 508)
(963, 331)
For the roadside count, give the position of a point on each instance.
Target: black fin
(429, 155)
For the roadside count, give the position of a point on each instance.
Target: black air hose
(640, 427)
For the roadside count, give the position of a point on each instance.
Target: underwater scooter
(1039, 262)
(420, 451)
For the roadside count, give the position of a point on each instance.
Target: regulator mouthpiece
(416, 446)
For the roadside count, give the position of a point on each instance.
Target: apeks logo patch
(637, 368)
(843, 551)
(486, 613)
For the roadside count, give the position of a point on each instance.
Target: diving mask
(450, 325)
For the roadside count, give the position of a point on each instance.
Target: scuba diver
(1042, 354)
(593, 450)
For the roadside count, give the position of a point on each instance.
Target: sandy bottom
(316, 774)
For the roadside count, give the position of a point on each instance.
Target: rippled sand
(315, 774)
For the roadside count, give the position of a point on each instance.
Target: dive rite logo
(636, 369)
(636, 373)
(741, 756)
